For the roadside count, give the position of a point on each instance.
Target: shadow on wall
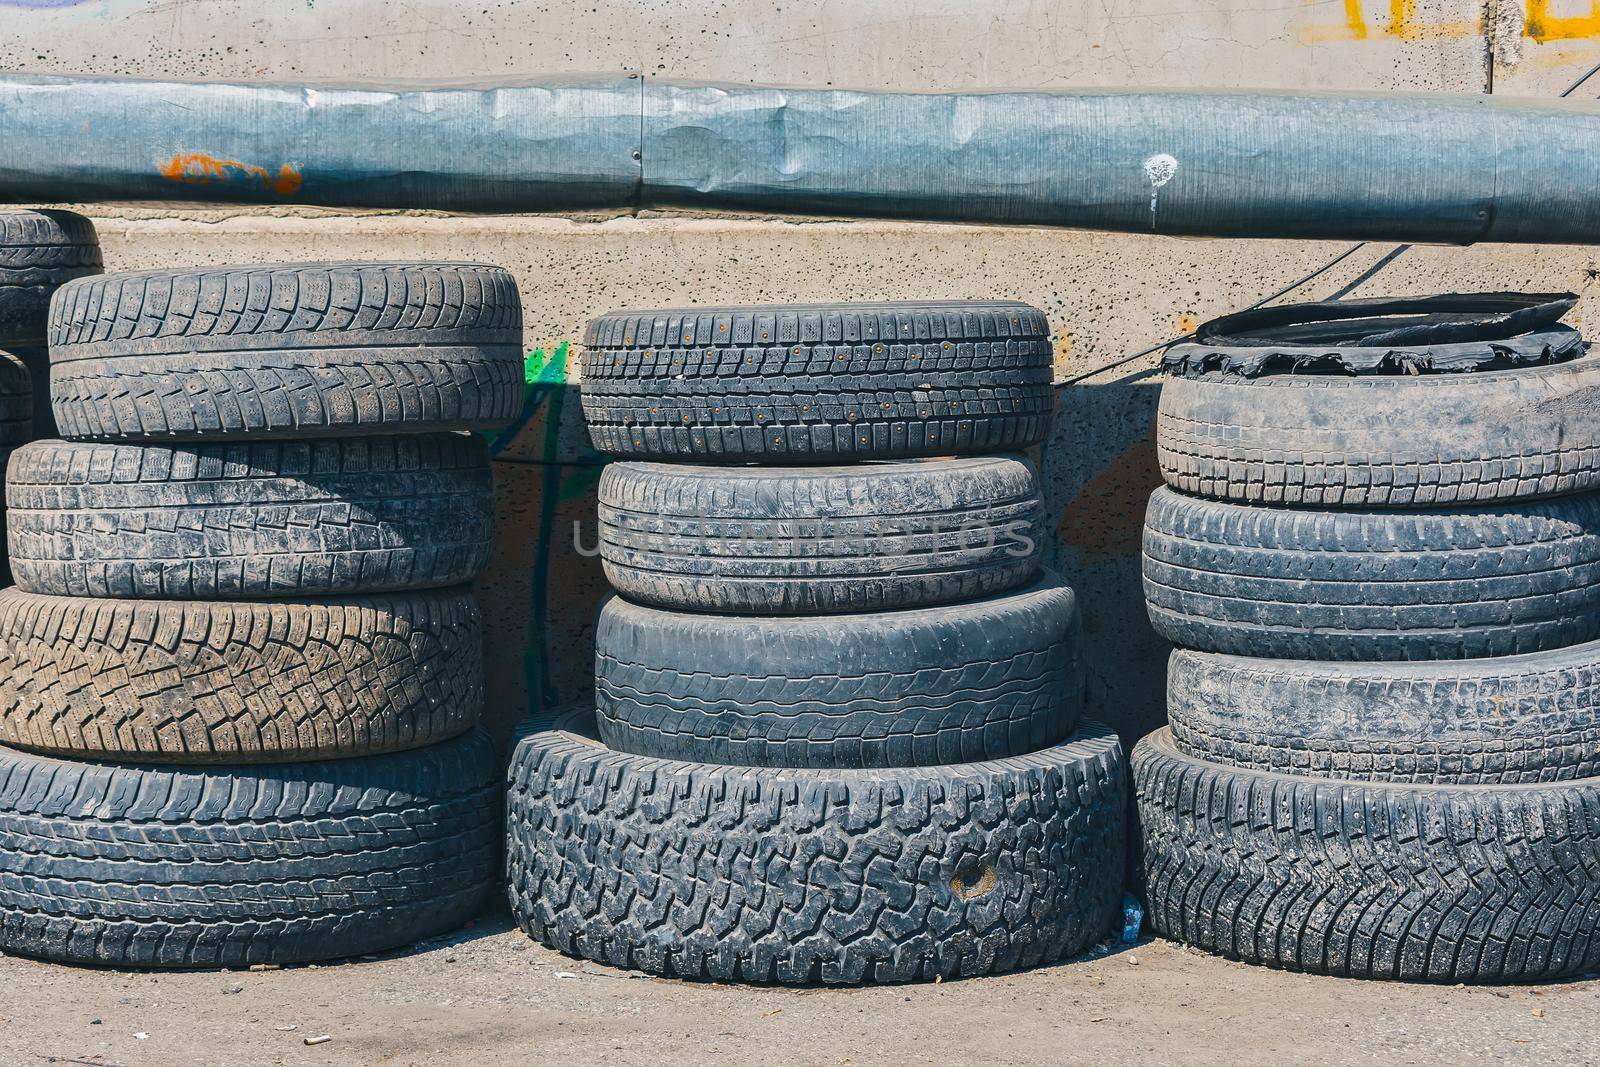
(1099, 468)
(540, 592)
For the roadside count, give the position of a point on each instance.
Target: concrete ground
(489, 996)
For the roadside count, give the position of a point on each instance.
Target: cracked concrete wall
(1110, 298)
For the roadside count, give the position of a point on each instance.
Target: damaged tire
(213, 521)
(135, 866)
(1468, 883)
(237, 682)
(39, 252)
(978, 680)
(297, 351)
(819, 382)
(814, 540)
(806, 876)
(1387, 441)
(1512, 719)
(1463, 583)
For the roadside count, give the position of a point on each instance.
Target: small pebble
(1133, 961)
(1538, 1013)
(233, 989)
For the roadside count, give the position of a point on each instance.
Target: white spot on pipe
(1158, 171)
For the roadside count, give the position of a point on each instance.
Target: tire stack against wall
(39, 252)
(1384, 733)
(240, 670)
(836, 735)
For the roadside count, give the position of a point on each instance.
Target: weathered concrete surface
(1108, 297)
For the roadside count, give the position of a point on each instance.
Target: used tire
(805, 876)
(830, 382)
(1371, 879)
(1532, 718)
(1494, 580)
(16, 401)
(1387, 441)
(237, 682)
(814, 540)
(303, 350)
(213, 521)
(39, 252)
(135, 866)
(978, 680)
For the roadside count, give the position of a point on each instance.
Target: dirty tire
(37, 361)
(39, 252)
(818, 382)
(1370, 879)
(803, 876)
(295, 351)
(1505, 720)
(1391, 441)
(813, 540)
(16, 401)
(237, 681)
(138, 866)
(983, 679)
(263, 519)
(1493, 580)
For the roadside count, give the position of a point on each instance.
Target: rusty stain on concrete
(1106, 519)
(198, 168)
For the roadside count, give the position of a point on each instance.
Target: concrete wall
(1109, 298)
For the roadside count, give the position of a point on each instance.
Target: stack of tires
(240, 669)
(39, 252)
(836, 729)
(1384, 734)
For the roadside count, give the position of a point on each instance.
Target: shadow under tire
(982, 679)
(138, 866)
(1503, 720)
(251, 519)
(1370, 879)
(205, 681)
(783, 383)
(814, 540)
(802, 876)
(290, 351)
(1447, 583)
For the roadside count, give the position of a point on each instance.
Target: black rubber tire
(805, 383)
(135, 866)
(1370, 879)
(292, 351)
(804, 876)
(1390, 441)
(237, 681)
(1501, 721)
(213, 521)
(983, 679)
(37, 361)
(16, 401)
(815, 540)
(1495, 580)
(39, 252)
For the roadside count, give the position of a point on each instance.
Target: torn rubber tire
(237, 682)
(1370, 879)
(261, 519)
(814, 540)
(1495, 580)
(1392, 441)
(1510, 719)
(136, 866)
(39, 252)
(296, 351)
(982, 679)
(806, 876)
(818, 382)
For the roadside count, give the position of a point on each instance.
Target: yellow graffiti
(197, 168)
(1400, 22)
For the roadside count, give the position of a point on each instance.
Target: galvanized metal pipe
(1402, 167)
